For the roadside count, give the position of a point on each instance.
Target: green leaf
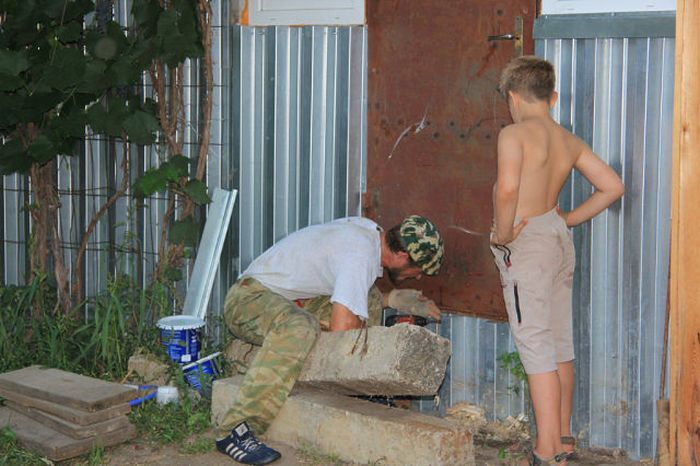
(170, 172)
(173, 274)
(65, 69)
(140, 127)
(10, 83)
(70, 32)
(181, 164)
(75, 9)
(10, 103)
(108, 119)
(143, 53)
(151, 182)
(123, 72)
(197, 191)
(13, 157)
(176, 40)
(42, 149)
(94, 77)
(53, 8)
(184, 231)
(12, 62)
(146, 13)
(39, 103)
(70, 124)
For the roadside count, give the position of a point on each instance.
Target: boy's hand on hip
(514, 233)
(413, 302)
(564, 215)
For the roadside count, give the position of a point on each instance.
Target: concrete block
(357, 430)
(146, 368)
(401, 360)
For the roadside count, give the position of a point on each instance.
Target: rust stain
(486, 59)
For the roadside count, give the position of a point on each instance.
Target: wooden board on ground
(76, 416)
(55, 445)
(57, 386)
(70, 429)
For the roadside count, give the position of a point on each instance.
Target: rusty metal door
(434, 114)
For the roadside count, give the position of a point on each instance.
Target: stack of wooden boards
(61, 415)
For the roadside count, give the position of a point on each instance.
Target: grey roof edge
(606, 25)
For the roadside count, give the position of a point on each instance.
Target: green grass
(12, 455)
(96, 339)
(171, 422)
(198, 445)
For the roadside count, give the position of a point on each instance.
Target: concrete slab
(400, 360)
(357, 430)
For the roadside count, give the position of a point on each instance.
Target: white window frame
(305, 12)
(563, 7)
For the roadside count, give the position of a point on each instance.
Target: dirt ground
(138, 452)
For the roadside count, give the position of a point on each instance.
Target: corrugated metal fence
(617, 94)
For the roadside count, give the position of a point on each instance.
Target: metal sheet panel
(617, 95)
(298, 122)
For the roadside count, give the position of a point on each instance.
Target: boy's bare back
(549, 152)
(536, 155)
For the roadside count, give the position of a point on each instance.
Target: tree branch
(78, 273)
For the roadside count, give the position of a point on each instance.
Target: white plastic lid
(182, 322)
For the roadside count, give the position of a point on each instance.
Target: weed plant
(12, 454)
(95, 339)
(172, 422)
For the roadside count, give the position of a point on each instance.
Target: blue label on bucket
(200, 374)
(182, 345)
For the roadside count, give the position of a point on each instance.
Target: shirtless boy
(532, 244)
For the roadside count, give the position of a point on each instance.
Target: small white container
(167, 394)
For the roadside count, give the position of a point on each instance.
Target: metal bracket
(516, 36)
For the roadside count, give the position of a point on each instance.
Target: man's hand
(343, 318)
(413, 302)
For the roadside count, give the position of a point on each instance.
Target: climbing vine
(68, 69)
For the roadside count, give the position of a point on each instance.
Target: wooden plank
(684, 441)
(76, 416)
(70, 429)
(67, 388)
(55, 445)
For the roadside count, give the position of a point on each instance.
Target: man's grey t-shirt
(340, 259)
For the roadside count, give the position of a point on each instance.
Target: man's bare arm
(342, 318)
(608, 188)
(510, 161)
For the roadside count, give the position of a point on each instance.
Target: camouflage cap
(423, 243)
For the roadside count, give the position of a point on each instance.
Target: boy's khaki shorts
(537, 271)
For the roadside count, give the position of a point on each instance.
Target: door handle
(516, 36)
(502, 37)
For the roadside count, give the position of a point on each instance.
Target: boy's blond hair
(531, 77)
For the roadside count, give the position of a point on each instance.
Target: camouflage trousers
(286, 334)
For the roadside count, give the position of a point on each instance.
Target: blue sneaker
(242, 446)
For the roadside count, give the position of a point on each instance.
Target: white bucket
(180, 336)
